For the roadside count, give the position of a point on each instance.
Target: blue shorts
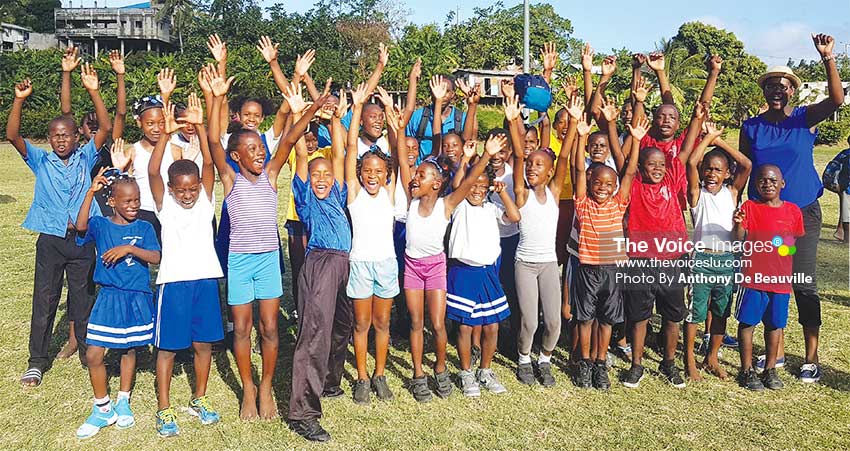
(187, 312)
(367, 279)
(253, 276)
(755, 306)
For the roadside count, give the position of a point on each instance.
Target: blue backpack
(533, 91)
(836, 175)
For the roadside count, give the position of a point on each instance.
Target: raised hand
(609, 65)
(70, 59)
(507, 88)
(494, 144)
(438, 87)
(23, 89)
(464, 87)
(217, 47)
(167, 81)
(469, 148)
(416, 70)
(824, 44)
(512, 108)
(549, 56)
(498, 187)
(342, 106)
(89, 77)
(117, 62)
(583, 128)
(474, 94)
(293, 96)
(638, 60)
(303, 62)
(267, 48)
(385, 97)
(393, 116)
(569, 86)
(203, 81)
(587, 57)
(712, 130)
(739, 216)
(168, 116)
(575, 107)
(639, 130)
(194, 113)
(120, 156)
(217, 83)
(609, 109)
(700, 111)
(714, 63)
(99, 181)
(383, 54)
(360, 94)
(656, 61)
(641, 90)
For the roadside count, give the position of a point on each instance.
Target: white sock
(524, 358)
(543, 358)
(103, 404)
(124, 395)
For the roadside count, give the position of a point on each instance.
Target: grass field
(710, 415)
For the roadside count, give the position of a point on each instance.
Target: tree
(426, 42)
(181, 13)
(35, 14)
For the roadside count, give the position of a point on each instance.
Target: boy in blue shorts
(187, 312)
(772, 225)
(62, 178)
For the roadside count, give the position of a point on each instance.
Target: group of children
(469, 237)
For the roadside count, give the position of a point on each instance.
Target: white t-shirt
(188, 252)
(382, 143)
(474, 238)
(271, 139)
(400, 199)
(141, 160)
(509, 228)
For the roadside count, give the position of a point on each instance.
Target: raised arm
(268, 49)
(13, 124)
(816, 113)
(375, 77)
(195, 116)
(694, 129)
(91, 83)
(460, 172)
(358, 98)
(549, 56)
(439, 88)
(610, 113)
(657, 64)
(157, 185)
(512, 213)
(745, 166)
(470, 125)
(637, 131)
(580, 172)
(587, 67)
(694, 159)
(714, 64)
(117, 63)
(218, 49)
(302, 65)
(70, 61)
(609, 66)
(167, 83)
(219, 87)
(492, 147)
(410, 103)
(562, 164)
(97, 184)
(292, 94)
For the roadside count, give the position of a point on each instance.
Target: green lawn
(708, 415)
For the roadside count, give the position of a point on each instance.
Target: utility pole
(526, 63)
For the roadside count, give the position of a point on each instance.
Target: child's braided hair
(377, 153)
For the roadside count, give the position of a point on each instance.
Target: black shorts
(659, 285)
(598, 295)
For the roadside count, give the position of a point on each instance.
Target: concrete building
(15, 37)
(129, 28)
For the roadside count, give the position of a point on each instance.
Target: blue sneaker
(125, 415)
(810, 373)
(166, 423)
(95, 422)
(762, 360)
(729, 341)
(200, 407)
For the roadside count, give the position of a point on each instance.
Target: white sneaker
(468, 384)
(487, 379)
(762, 361)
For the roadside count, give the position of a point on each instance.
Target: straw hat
(780, 71)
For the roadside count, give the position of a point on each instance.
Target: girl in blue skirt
(475, 296)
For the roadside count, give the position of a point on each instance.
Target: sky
(772, 30)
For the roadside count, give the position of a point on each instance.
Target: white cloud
(776, 44)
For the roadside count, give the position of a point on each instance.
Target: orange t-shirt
(601, 226)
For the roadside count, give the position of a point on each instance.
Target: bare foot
(268, 408)
(248, 412)
(716, 370)
(68, 350)
(693, 374)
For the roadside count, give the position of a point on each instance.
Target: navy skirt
(474, 295)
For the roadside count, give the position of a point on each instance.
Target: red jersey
(769, 267)
(655, 215)
(670, 148)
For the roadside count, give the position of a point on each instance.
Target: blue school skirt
(121, 319)
(474, 295)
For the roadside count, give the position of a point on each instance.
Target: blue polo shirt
(325, 131)
(325, 219)
(130, 273)
(425, 145)
(59, 188)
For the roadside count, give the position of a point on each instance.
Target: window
(138, 24)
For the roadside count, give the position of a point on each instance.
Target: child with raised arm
(425, 259)
(766, 286)
(253, 269)
(188, 313)
(61, 180)
(475, 296)
(122, 316)
(713, 197)
(538, 281)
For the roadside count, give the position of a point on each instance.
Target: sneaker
(96, 421)
(633, 376)
(525, 374)
(600, 376)
(362, 392)
(672, 373)
(381, 389)
(546, 378)
(809, 372)
(729, 341)
(468, 384)
(200, 407)
(476, 356)
(166, 422)
(762, 362)
(487, 380)
(703, 347)
(750, 380)
(333, 392)
(310, 429)
(584, 376)
(609, 360)
(125, 415)
(444, 384)
(419, 389)
(771, 380)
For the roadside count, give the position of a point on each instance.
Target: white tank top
(372, 227)
(400, 198)
(425, 234)
(141, 159)
(713, 219)
(537, 229)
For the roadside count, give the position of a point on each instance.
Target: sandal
(31, 378)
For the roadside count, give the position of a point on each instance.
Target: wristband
(828, 58)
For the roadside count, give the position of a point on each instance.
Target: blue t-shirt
(790, 146)
(59, 188)
(325, 132)
(325, 219)
(130, 273)
(425, 144)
